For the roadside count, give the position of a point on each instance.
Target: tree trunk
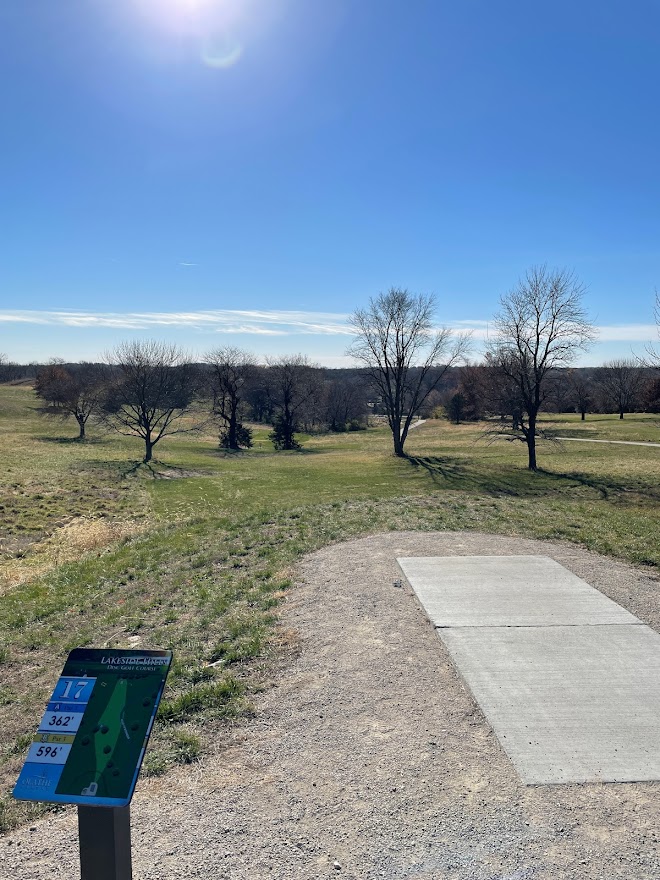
(621, 413)
(232, 430)
(398, 441)
(531, 444)
(81, 427)
(232, 427)
(288, 432)
(148, 447)
(531, 453)
(582, 415)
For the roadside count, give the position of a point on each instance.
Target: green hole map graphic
(91, 740)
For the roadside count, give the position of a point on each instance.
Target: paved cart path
(568, 679)
(616, 442)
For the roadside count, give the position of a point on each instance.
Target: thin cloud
(251, 329)
(476, 329)
(627, 333)
(271, 322)
(184, 263)
(267, 322)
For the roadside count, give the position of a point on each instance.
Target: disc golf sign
(91, 741)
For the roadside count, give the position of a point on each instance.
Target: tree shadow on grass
(602, 487)
(254, 452)
(609, 488)
(123, 470)
(457, 474)
(120, 469)
(160, 470)
(86, 441)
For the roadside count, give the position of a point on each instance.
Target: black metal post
(105, 843)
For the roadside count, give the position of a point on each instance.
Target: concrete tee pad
(507, 591)
(569, 680)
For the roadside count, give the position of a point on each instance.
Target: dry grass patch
(70, 542)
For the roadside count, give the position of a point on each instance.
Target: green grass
(637, 427)
(50, 479)
(221, 534)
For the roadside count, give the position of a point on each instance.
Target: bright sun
(176, 8)
(211, 24)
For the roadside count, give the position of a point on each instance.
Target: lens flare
(211, 25)
(221, 51)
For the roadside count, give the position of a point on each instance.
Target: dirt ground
(368, 758)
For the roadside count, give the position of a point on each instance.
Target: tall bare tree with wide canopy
(541, 327)
(151, 392)
(405, 357)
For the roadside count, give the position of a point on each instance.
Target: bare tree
(653, 354)
(258, 397)
(621, 383)
(502, 395)
(404, 357)
(652, 394)
(75, 391)
(580, 392)
(232, 370)
(151, 392)
(293, 382)
(345, 403)
(541, 326)
(471, 385)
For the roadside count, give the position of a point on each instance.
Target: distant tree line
(480, 391)
(408, 368)
(10, 371)
(151, 390)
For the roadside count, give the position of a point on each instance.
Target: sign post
(105, 843)
(89, 748)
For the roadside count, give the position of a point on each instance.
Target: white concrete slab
(507, 591)
(568, 704)
(569, 680)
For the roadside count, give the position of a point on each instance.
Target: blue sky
(248, 172)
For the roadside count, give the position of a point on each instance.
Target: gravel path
(368, 758)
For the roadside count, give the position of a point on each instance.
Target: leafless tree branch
(541, 327)
(404, 356)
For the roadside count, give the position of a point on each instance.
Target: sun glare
(194, 5)
(211, 25)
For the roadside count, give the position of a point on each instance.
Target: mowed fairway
(195, 552)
